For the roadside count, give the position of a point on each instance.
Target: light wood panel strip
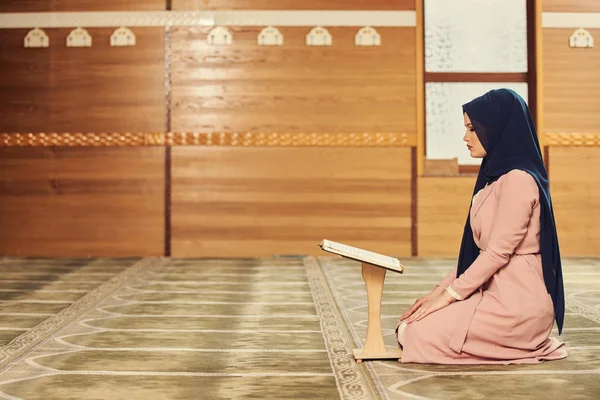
(572, 20)
(443, 204)
(305, 18)
(574, 186)
(263, 201)
(81, 202)
(293, 5)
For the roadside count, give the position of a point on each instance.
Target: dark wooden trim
(413, 204)
(476, 77)
(424, 82)
(168, 155)
(468, 169)
(547, 159)
(167, 249)
(532, 61)
(169, 5)
(167, 79)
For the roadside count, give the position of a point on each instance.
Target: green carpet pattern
(576, 377)
(192, 329)
(273, 328)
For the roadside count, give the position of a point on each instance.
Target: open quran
(361, 255)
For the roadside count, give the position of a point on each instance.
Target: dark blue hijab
(503, 124)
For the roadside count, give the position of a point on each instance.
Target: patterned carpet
(190, 329)
(576, 377)
(33, 291)
(248, 329)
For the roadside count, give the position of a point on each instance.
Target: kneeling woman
(499, 305)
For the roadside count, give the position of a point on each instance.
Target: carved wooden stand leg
(375, 349)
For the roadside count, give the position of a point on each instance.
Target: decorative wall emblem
(581, 38)
(318, 36)
(219, 36)
(36, 38)
(122, 37)
(270, 36)
(79, 38)
(367, 36)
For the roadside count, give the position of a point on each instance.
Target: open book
(361, 255)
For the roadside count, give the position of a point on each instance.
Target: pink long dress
(506, 315)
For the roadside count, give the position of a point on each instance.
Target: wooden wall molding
(209, 18)
(292, 4)
(81, 139)
(570, 20)
(251, 139)
(248, 139)
(293, 139)
(572, 139)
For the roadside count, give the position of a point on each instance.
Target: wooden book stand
(374, 267)
(375, 349)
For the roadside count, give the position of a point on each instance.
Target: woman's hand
(436, 292)
(434, 301)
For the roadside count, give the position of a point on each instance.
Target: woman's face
(473, 143)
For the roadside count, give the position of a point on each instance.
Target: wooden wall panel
(443, 204)
(571, 6)
(294, 88)
(571, 84)
(293, 5)
(82, 201)
(256, 201)
(97, 89)
(81, 5)
(575, 190)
